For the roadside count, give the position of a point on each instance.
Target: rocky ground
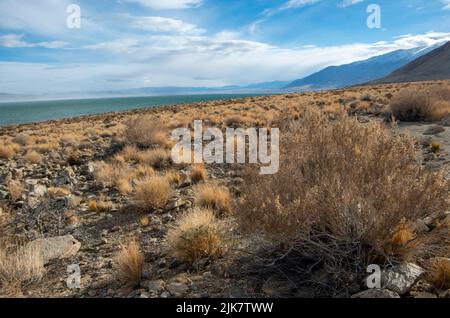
(91, 239)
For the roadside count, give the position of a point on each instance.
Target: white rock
(401, 278)
(376, 293)
(55, 247)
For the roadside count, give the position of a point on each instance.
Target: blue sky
(141, 43)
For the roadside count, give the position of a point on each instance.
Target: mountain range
(432, 66)
(361, 71)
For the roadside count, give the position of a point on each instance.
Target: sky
(124, 44)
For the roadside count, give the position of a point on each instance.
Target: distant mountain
(432, 66)
(361, 71)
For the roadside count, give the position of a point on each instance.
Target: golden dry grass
(124, 186)
(146, 133)
(198, 173)
(156, 158)
(56, 192)
(102, 204)
(15, 189)
(431, 104)
(439, 273)
(153, 192)
(129, 264)
(214, 197)
(196, 234)
(32, 156)
(19, 267)
(8, 150)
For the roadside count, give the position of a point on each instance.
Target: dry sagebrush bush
(342, 190)
(102, 204)
(438, 271)
(32, 156)
(8, 150)
(15, 189)
(156, 158)
(196, 235)
(198, 173)
(153, 192)
(422, 104)
(146, 133)
(129, 264)
(214, 197)
(19, 267)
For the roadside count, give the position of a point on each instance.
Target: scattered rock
(277, 287)
(177, 289)
(423, 295)
(434, 130)
(401, 278)
(155, 286)
(376, 293)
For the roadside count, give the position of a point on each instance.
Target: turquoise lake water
(37, 111)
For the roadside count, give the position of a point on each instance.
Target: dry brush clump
(19, 267)
(129, 264)
(430, 104)
(146, 133)
(197, 234)
(340, 198)
(153, 192)
(212, 196)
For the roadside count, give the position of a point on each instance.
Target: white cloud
(16, 41)
(446, 4)
(181, 60)
(161, 24)
(292, 4)
(41, 17)
(348, 3)
(169, 4)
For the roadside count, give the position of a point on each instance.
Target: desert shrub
(124, 186)
(8, 150)
(426, 104)
(198, 173)
(342, 191)
(153, 192)
(22, 139)
(129, 264)
(32, 156)
(19, 267)
(438, 270)
(156, 158)
(145, 133)
(212, 196)
(102, 204)
(15, 189)
(196, 235)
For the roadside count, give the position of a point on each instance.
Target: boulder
(55, 247)
(401, 278)
(376, 293)
(434, 130)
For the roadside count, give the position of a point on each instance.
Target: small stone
(434, 130)
(376, 293)
(401, 278)
(423, 295)
(155, 287)
(55, 247)
(177, 289)
(277, 287)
